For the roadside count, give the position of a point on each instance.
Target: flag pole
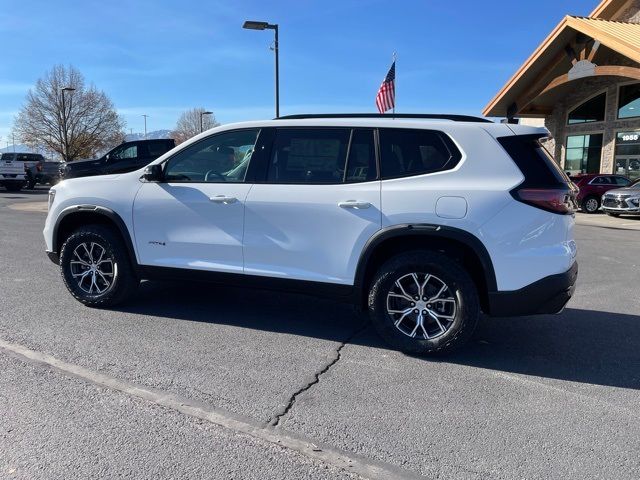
(395, 83)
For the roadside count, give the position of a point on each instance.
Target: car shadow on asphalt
(578, 345)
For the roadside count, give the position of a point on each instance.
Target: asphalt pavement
(289, 386)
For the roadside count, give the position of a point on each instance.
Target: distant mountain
(18, 149)
(150, 135)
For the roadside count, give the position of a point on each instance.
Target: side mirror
(153, 173)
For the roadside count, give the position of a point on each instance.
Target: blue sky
(163, 57)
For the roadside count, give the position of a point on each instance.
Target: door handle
(354, 204)
(223, 199)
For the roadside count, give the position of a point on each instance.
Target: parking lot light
(255, 25)
(201, 115)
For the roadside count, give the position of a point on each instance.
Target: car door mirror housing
(153, 173)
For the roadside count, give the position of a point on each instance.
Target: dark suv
(126, 157)
(593, 186)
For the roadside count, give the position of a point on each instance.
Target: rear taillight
(556, 200)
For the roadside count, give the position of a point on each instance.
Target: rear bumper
(548, 295)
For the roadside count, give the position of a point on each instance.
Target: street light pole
(201, 115)
(253, 25)
(145, 126)
(65, 139)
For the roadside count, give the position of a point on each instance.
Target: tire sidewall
(460, 284)
(106, 240)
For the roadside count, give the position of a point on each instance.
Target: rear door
(316, 208)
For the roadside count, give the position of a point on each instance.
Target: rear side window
(309, 155)
(405, 152)
(621, 181)
(533, 160)
(361, 164)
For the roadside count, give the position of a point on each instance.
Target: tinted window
(415, 152)
(583, 153)
(621, 181)
(601, 181)
(220, 158)
(308, 155)
(361, 164)
(157, 148)
(590, 111)
(533, 160)
(629, 101)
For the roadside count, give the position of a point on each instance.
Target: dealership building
(583, 82)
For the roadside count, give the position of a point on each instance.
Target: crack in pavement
(347, 461)
(316, 376)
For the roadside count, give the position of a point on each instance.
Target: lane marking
(348, 461)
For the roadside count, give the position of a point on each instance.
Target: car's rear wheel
(591, 204)
(96, 268)
(423, 303)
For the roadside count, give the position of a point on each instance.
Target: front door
(317, 209)
(194, 217)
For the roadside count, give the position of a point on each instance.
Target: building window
(583, 153)
(590, 111)
(629, 101)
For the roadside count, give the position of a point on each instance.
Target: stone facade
(584, 89)
(631, 14)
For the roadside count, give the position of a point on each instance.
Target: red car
(593, 185)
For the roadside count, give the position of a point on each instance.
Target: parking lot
(192, 380)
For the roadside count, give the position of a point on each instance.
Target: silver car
(622, 201)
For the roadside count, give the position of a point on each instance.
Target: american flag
(386, 97)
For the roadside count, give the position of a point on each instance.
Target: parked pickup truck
(126, 157)
(14, 167)
(43, 172)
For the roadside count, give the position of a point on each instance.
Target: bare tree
(67, 117)
(191, 123)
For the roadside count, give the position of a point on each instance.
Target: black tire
(590, 204)
(31, 184)
(449, 272)
(13, 187)
(125, 281)
(611, 214)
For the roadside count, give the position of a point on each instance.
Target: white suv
(424, 220)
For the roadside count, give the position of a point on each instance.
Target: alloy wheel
(93, 268)
(422, 306)
(591, 205)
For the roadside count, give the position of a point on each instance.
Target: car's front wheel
(96, 268)
(423, 303)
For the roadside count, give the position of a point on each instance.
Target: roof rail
(432, 116)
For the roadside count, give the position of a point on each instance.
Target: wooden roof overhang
(569, 53)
